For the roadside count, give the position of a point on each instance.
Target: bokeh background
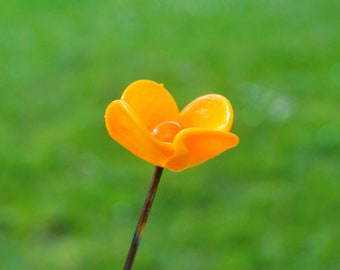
(70, 197)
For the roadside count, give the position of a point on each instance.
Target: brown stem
(143, 217)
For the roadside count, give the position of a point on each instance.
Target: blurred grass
(70, 196)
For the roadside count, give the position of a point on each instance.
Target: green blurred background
(70, 197)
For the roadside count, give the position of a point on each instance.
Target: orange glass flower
(147, 122)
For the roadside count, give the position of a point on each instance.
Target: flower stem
(143, 217)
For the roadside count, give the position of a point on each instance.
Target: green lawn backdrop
(70, 196)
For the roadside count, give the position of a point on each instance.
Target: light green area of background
(70, 196)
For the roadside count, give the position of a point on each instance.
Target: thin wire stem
(143, 217)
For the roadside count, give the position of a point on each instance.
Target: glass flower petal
(152, 102)
(201, 144)
(124, 126)
(210, 111)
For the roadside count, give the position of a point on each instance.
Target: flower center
(166, 131)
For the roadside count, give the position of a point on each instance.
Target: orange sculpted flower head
(147, 122)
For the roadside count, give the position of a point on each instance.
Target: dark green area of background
(70, 196)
